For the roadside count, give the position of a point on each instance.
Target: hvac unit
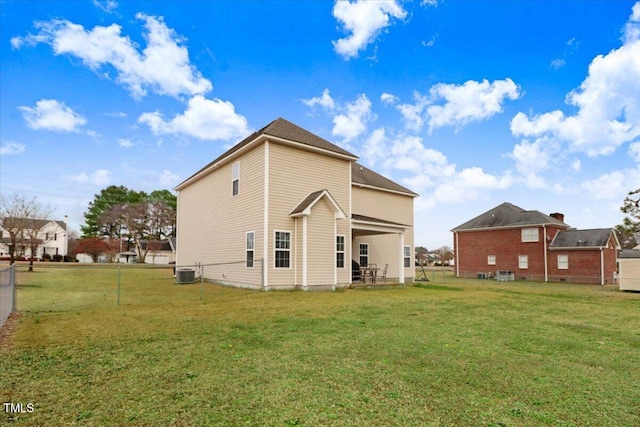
(185, 275)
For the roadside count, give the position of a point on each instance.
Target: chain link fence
(7, 293)
(518, 276)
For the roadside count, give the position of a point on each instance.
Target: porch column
(304, 252)
(401, 263)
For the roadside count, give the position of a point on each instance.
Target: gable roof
(368, 178)
(593, 238)
(280, 129)
(36, 223)
(304, 207)
(507, 215)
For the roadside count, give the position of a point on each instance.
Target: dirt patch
(7, 330)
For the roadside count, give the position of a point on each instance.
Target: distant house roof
(156, 245)
(629, 253)
(366, 177)
(508, 215)
(572, 239)
(39, 223)
(283, 129)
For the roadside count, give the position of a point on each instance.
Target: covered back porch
(381, 252)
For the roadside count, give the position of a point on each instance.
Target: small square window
(491, 260)
(563, 262)
(523, 262)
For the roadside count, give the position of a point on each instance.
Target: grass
(460, 353)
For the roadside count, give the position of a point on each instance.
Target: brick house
(533, 246)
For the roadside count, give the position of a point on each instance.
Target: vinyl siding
(212, 224)
(382, 204)
(321, 246)
(629, 274)
(293, 174)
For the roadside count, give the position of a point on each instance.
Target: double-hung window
(282, 243)
(407, 256)
(530, 235)
(523, 262)
(491, 259)
(235, 179)
(364, 254)
(563, 262)
(250, 248)
(340, 251)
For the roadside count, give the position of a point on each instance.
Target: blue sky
(469, 103)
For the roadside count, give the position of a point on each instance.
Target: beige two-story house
(286, 209)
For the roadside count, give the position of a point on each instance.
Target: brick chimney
(557, 215)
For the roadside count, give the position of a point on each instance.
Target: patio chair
(384, 273)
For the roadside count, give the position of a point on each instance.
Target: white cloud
(634, 151)
(612, 186)
(353, 121)
(11, 148)
(632, 29)
(428, 171)
(388, 99)
(556, 64)
(168, 178)
(325, 101)
(163, 66)
(125, 143)
(100, 177)
(204, 119)
(49, 114)
(363, 20)
(349, 119)
(607, 103)
(106, 5)
(471, 101)
(457, 105)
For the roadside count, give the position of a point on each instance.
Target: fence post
(12, 280)
(201, 281)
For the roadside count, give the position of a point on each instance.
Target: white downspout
(546, 267)
(602, 266)
(457, 249)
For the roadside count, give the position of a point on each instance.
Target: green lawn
(457, 353)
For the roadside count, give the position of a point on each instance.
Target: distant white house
(52, 240)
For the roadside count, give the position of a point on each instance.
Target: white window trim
(564, 265)
(343, 251)
(524, 258)
(528, 236)
(235, 176)
(491, 260)
(405, 256)
(360, 253)
(280, 249)
(246, 249)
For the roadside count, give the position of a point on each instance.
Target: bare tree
(22, 218)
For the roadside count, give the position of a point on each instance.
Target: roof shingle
(508, 215)
(594, 238)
